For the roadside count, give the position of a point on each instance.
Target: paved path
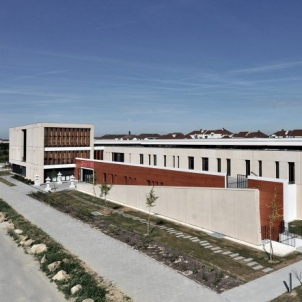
(137, 275)
(20, 275)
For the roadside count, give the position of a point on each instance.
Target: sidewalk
(137, 275)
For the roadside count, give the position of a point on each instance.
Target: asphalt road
(20, 275)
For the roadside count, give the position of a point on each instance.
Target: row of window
(63, 157)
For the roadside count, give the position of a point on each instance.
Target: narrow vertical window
(141, 159)
(173, 161)
(191, 162)
(291, 172)
(154, 159)
(177, 161)
(260, 167)
(247, 168)
(205, 164)
(218, 164)
(149, 156)
(277, 170)
(165, 160)
(228, 167)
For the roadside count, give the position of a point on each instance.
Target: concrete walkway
(137, 275)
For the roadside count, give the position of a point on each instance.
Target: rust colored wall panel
(142, 175)
(266, 192)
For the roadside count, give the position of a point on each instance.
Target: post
(290, 283)
(72, 186)
(37, 183)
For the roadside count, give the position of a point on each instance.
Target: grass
(294, 296)
(84, 204)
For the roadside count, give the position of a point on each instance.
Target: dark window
(218, 164)
(141, 159)
(291, 172)
(205, 164)
(228, 167)
(149, 156)
(165, 160)
(191, 162)
(173, 161)
(104, 177)
(260, 167)
(277, 170)
(247, 168)
(177, 161)
(119, 157)
(154, 160)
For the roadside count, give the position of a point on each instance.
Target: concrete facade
(28, 150)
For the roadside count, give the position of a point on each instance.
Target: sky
(152, 66)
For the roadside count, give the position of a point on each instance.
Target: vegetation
(23, 179)
(4, 152)
(105, 189)
(274, 215)
(150, 202)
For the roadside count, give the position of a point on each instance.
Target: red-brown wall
(266, 191)
(141, 175)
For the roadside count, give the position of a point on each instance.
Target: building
(42, 150)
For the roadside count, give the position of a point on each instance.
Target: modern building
(42, 150)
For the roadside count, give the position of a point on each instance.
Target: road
(20, 275)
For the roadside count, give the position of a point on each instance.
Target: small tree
(94, 181)
(53, 175)
(105, 189)
(273, 216)
(150, 202)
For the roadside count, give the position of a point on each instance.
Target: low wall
(231, 212)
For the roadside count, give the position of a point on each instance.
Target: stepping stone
(252, 263)
(226, 253)
(234, 255)
(205, 244)
(96, 213)
(162, 227)
(218, 251)
(204, 241)
(179, 235)
(215, 248)
(209, 246)
(172, 232)
(257, 267)
(238, 258)
(195, 240)
(188, 237)
(170, 229)
(248, 259)
(267, 270)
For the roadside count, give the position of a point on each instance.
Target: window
(173, 161)
(205, 164)
(277, 169)
(118, 157)
(141, 159)
(260, 167)
(291, 173)
(191, 162)
(149, 156)
(165, 160)
(218, 164)
(228, 167)
(247, 168)
(104, 177)
(154, 159)
(177, 161)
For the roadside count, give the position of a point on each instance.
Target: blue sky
(152, 66)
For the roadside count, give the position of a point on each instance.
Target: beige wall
(234, 213)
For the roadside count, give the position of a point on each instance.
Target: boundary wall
(234, 213)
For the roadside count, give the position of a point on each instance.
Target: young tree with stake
(150, 202)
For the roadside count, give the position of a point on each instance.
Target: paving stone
(267, 270)
(252, 263)
(179, 235)
(205, 244)
(162, 227)
(218, 251)
(257, 267)
(248, 259)
(238, 258)
(170, 229)
(204, 241)
(171, 232)
(209, 246)
(188, 237)
(226, 253)
(195, 240)
(215, 248)
(234, 255)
